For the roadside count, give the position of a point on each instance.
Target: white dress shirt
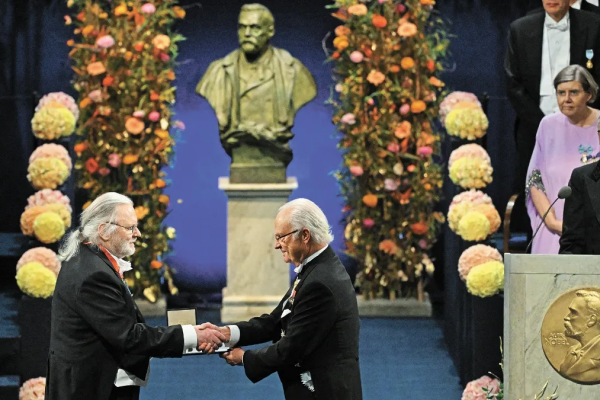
(235, 331)
(190, 340)
(556, 55)
(577, 4)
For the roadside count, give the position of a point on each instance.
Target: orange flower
(428, 2)
(163, 198)
(130, 159)
(335, 55)
(376, 77)
(370, 200)
(141, 212)
(121, 10)
(179, 12)
(70, 42)
(357, 9)
(80, 147)
(155, 264)
(417, 106)
(96, 68)
(388, 247)
(159, 183)
(431, 65)
(425, 139)
(81, 16)
(108, 80)
(407, 29)
(134, 126)
(128, 55)
(342, 30)
(91, 165)
(170, 75)
(85, 102)
(161, 42)
(161, 133)
(138, 46)
(86, 204)
(379, 21)
(410, 168)
(419, 228)
(341, 42)
(407, 63)
(154, 96)
(436, 82)
(403, 130)
(87, 30)
(394, 68)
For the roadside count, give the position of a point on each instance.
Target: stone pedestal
(257, 277)
(532, 284)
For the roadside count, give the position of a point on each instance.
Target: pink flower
(356, 56)
(370, 101)
(405, 109)
(148, 8)
(390, 184)
(382, 1)
(368, 222)
(179, 125)
(400, 8)
(154, 116)
(356, 170)
(393, 147)
(114, 160)
(425, 151)
(474, 389)
(423, 243)
(105, 41)
(139, 113)
(348, 119)
(95, 96)
(104, 171)
(164, 57)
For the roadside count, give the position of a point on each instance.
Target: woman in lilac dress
(564, 141)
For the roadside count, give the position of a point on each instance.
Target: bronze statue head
(256, 26)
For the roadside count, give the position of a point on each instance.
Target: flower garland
(123, 58)
(386, 61)
(33, 389)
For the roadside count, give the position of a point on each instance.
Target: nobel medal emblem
(571, 335)
(589, 54)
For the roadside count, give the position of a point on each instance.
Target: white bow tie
(561, 26)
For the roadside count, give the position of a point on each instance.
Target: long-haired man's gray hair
(101, 211)
(306, 214)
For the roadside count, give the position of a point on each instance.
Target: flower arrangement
(48, 196)
(474, 256)
(470, 150)
(486, 279)
(51, 123)
(31, 214)
(35, 280)
(471, 173)
(33, 389)
(44, 256)
(457, 100)
(47, 173)
(475, 389)
(59, 99)
(52, 150)
(48, 227)
(386, 60)
(466, 123)
(491, 214)
(463, 203)
(123, 56)
(474, 226)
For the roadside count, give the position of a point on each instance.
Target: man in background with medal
(315, 327)
(539, 46)
(100, 346)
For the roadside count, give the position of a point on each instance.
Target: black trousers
(125, 393)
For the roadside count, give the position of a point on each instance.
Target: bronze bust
(256, 92)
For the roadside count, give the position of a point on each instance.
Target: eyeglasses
(131, 228)
(278, 238)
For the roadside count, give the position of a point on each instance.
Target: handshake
(211, 337)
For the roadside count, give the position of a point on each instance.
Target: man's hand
(226, 331)
(209, 337)
(234, 357)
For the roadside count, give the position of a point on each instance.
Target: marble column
(257, 277)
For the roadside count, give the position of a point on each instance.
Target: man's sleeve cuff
(235, 335)
(190, 339)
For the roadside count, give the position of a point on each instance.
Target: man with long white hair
(315, 327)
(100, 346)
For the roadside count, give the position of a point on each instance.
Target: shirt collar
(564, 22)
(308, 259)
(577, 5)
(124, 266)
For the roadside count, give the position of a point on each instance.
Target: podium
(539, 291)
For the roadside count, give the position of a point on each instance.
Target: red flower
(91, 165)
(379, 21)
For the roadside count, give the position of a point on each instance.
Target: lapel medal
(589, 54)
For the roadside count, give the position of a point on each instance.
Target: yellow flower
(35, 280)
(407, 29)
(466, 123)
(474, 226)
(491, 214)
(376, 77)
(161, 42)
(358, 9)
(171, 233)
(121, 9)
(141, 212)
(96, 68)
(179, 12)
(486, 279)
(48, 227)
(471, 173)
(87, 30)
(407, 63)
(47, 173)
(51, 123)
(341, 42)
